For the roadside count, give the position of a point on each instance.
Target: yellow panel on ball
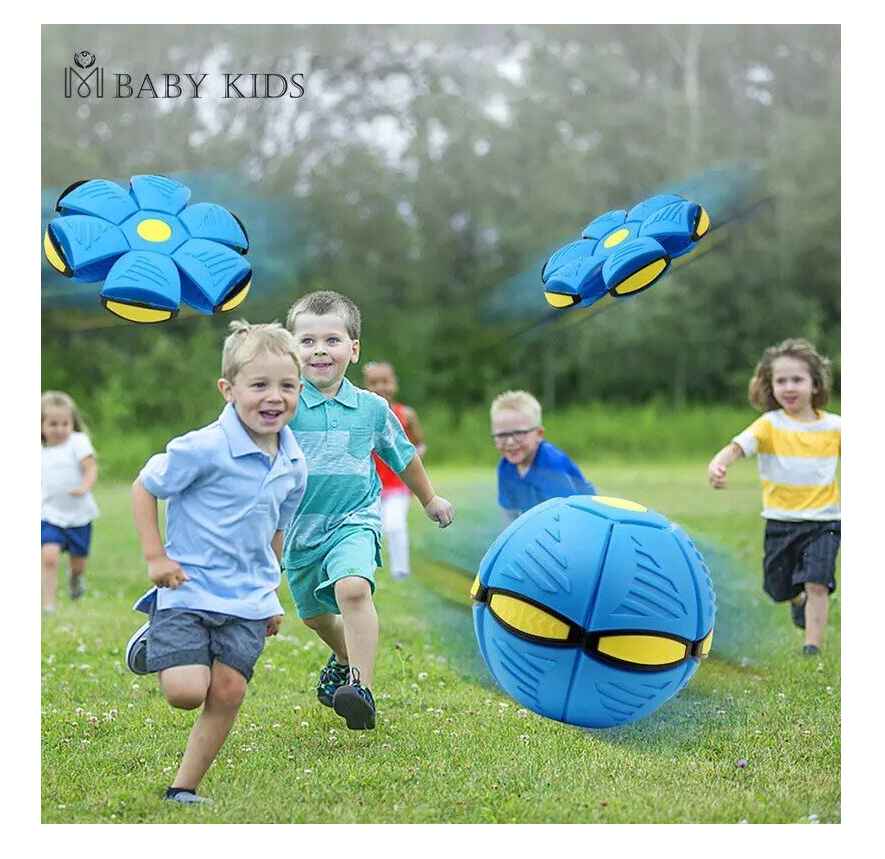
(642, 649)
(154, 230)
(620, 502)
(556, 299)
(703, 224)
(52, 255)
(137, 314)
(527, 618)
(641, 278)
(237, 299)
(707, 644)
(616, 238)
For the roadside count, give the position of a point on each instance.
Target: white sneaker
(136, 651)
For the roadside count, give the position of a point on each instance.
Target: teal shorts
(313, 588)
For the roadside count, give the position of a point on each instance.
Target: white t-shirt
(62, 472)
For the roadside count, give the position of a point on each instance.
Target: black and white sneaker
(355, 703)
(136, 651)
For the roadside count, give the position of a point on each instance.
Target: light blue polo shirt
(338, 435)
(225, 499)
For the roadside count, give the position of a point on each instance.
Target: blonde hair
(60, 400)
(760, 390)
(517, 401)
(245, 342)
(324, 302)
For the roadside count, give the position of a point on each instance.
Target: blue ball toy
(593, 611)
(622, 253)
(151, 249)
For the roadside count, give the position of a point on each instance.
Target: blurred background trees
(428, 168)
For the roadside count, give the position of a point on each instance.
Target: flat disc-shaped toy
(152, 250)
(622, 253)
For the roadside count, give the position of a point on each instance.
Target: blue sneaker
(355, 703)
(333, 676)
(136, 651)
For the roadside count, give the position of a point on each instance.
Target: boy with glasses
(531, 469)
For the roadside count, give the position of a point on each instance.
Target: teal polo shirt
(337, 435)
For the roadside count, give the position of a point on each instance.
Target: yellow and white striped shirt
(797, 465)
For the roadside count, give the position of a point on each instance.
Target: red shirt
(390, 482)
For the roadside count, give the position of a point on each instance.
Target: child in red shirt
(380, 378)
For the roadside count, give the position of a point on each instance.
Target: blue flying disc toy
(152, 250)
(593, 611)
(622, 253)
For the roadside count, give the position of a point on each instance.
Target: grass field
(449, 747)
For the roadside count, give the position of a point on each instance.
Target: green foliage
(426, 166)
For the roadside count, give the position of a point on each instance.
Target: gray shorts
(179, 636)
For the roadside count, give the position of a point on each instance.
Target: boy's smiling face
(265, 394)
(516, 438)
(326, 350)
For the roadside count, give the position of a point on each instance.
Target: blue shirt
(552, 474)
(338, 435)
(226, 498)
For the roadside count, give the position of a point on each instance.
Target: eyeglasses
(514, 435)
(637, 650)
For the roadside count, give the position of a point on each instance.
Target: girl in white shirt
(68, 508)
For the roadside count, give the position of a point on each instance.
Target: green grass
(449, 747)
(595, 433)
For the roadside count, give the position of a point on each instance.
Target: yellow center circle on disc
(154, 230)
(619, 502)
(616, 238)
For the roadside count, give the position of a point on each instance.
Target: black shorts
(799, 552)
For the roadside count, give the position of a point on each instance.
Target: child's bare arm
(89, 467)
(162, 570)
(276, 543)
(437, 509)
(716, 470)
(509, 516)
(416, 431)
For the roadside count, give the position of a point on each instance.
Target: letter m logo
(86, 85)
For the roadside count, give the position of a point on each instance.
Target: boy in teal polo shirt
(332, 549)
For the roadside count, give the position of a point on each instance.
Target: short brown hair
(246, 341)
(760, 390)
(324, 302)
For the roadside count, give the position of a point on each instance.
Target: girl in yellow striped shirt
(798, 447)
